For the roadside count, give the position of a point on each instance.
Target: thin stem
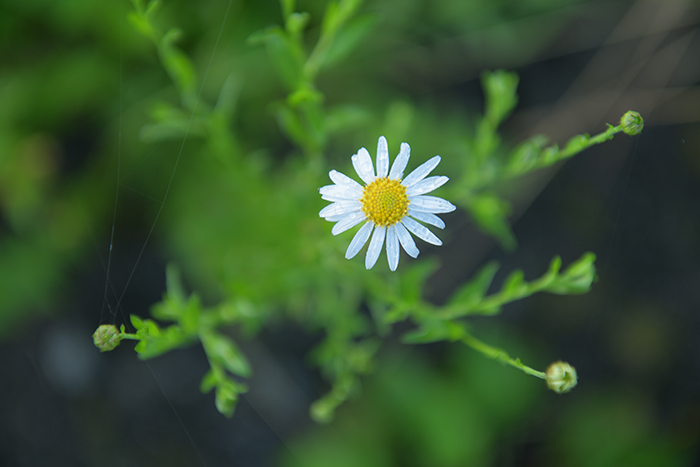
(597, 139)
(499, 355)
(318, 54)
(126, 335)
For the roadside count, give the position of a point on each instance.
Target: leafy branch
(177, 64)
(328, 294)
(485, 167)
(443, 323)
(193, 323)
(302, 116)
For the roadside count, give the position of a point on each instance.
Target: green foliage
(490, 212)
(443, 324)
(488, 164)
(193, 323)
(176, 63)
(471, 299)
(245, 226)
(302, 116)
(533, 154)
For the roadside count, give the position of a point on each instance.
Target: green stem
(318, 54)
(126, 335)
(499, 355)
(597, 139)
(550, 155)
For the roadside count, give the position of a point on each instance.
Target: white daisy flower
(388, 204)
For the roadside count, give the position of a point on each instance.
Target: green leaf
(323, 409)
(137, 322)
(578, 143)
(407, 296)
(155, 341)
(435, 330)
(189, 319)
(226, 398)
(291, 125)
(296, 23)
(491, 215)
(172, 36)
(500, 88)
(360, 355)
(555, 266)
(349, 37)
(286, 56)
(173, 282)
(151, 328)
(209, 381)
(141, 24)
(346, 8)
(181, 71)
(223, 351)
(227, 390)
(228, 97)
(287, 7)
(577, 278)
(524, 157)
(471, 293)
(330, 18)
(167, 309)
(514, 285)
(486, 141)
(153, 7)
(175, 306)
(304, 95)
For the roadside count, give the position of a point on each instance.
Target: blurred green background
(81, 98)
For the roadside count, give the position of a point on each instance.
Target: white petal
(425, 203)
(382, 157)
(392, 248)
(340, 207)
(359, 240)
(342, 179)
(339, 193)
(400, 162)
(347, 222)
(421, 231)
(406, 240)
(426, 217)
(363, 165)
(426, 185)
(421, 172)
(340, 217)
(375, 247)
(335, 199)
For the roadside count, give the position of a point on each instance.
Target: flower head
(106, 337)
(388, 204)
(632, 123)
(561, 377)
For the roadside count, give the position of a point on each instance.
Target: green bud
(561, 377)
(107, 337)
(632, 123)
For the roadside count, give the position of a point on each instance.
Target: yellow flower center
(384, 201)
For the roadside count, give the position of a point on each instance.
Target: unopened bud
(561, 377)
(632, 123)
(107, 337)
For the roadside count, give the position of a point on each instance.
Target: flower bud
(632, 123)
(561, 377)
(107, 337)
